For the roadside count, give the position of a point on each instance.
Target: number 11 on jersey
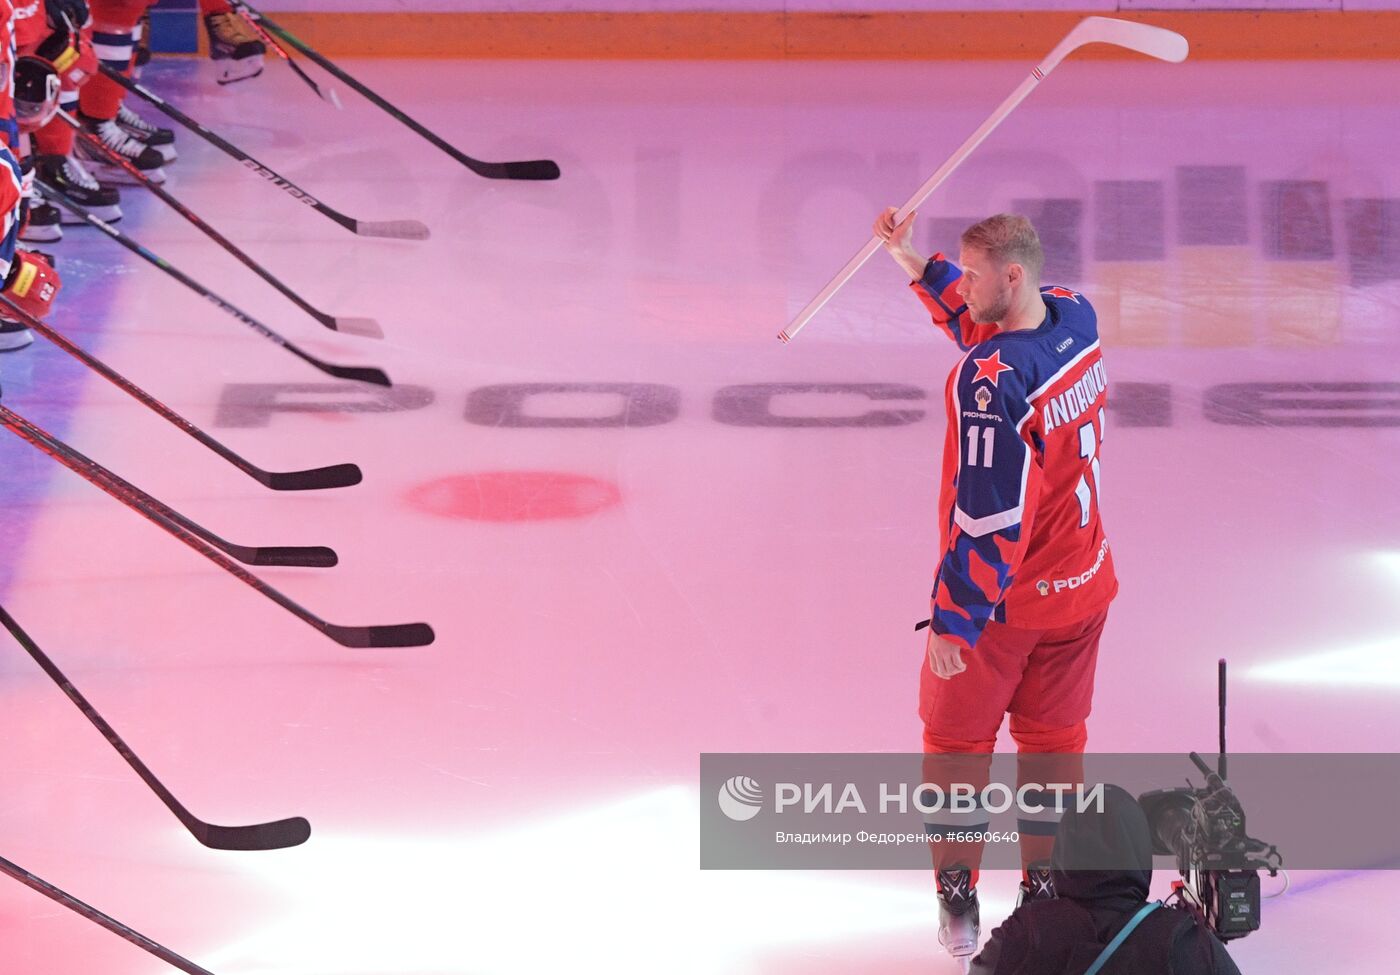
(1089, 441)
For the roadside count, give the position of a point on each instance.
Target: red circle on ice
(513, 496)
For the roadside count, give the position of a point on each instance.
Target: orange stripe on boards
(889, 35)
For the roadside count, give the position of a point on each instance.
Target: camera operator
(1102, 867)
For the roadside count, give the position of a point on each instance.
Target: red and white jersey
(7, 68)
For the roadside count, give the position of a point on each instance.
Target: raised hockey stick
(359, 637)
(402, 229)
(261, 836)
(306, 556)
(1155, 42)
(364, 374)
(353, 326)
(337, 475)
(97, 917)
(533, 169)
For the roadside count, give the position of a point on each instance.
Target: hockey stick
(534, 169)
(1155, 42)
(337, 475)
(306, 556)
(326, 94)
(354, 326)
(262, 836)
(97, 917)
(358, 637)
(402, 229)
(364, 374)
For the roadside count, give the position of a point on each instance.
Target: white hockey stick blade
(1156, 42)
(366, 327)
(399, 229)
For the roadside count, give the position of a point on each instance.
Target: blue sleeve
(997, 482)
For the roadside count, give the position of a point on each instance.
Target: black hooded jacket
(1102, 868)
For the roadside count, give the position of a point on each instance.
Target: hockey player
(100, 101)
(27, 279)
(1025, 575)
(47, 31)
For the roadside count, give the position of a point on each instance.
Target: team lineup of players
(51, 51)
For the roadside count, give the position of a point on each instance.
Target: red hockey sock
(207, 7)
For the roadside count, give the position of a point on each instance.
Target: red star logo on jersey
(1058, 292)
(990, 368)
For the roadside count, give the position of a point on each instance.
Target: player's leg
(961, 717)
(233, 45)
(100, 100)
(161, 139)
(1048, 715)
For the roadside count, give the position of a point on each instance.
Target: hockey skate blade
(365, 327)
(398, 229)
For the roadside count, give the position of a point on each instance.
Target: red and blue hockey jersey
(1022, 541)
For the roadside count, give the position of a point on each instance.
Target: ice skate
(14, 336)
(43, 224)
(68, 175)
(146, 159)
(159, 139)
(1037, 885)
(959, 916)
(234, 47)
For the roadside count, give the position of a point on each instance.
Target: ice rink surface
(644, 529)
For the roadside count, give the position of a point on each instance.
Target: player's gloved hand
(74, 12)
(71, 54)
(33, 282)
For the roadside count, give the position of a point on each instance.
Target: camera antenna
(1223, 760)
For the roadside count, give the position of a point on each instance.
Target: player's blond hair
(1008, 238)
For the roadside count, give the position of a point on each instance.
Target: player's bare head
(1006, 239)
(1001, 260)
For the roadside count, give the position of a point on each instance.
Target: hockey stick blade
(361, 374)
(397, 229)
(303, 556)
(259, 836)
(1155, 42)
(366, 327)
(536, 169)
(392, 635)
(306, 556)
(105, 151)
(265, 836)
(337, 475)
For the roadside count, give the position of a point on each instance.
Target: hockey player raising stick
(1025, 575)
